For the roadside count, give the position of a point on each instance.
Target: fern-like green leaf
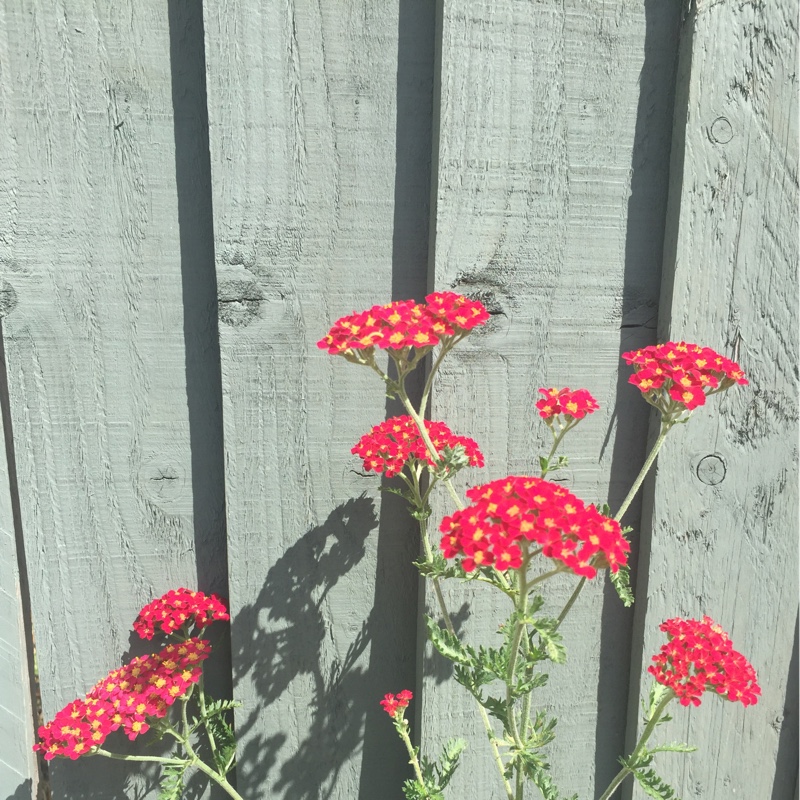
(654, 786)
(550, 639)
(544, 783)
(527, 686)
(437, 567)
(215, 707)
(449, 761)
(413, 791)
(673, 747)
(225, 741)
(448, 644)
(171, 787)
(497, 708)
(621, 581)
(657, 693)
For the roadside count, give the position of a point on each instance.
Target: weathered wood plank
(319, 125)
(95, 331)
(552, 183)
(724, 542)
(19, 774)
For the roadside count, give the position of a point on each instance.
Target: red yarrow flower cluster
(565, 402)
(404, 323)
(682, 372)
(395, 705)
(129, 698)
(390, 445)
(699, 657)
(176, 608)
(521, 508)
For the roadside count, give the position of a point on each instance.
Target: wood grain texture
(319, 124)
(19, 773)
(724, 542)
(550, 202)
(94, 336)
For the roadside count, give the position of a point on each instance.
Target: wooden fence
(191, 193)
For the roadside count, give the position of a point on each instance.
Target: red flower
(518, 508)
(128, 698)
(177, 608)
(395, 705)
(679, 376)
(389, 445)
(575, 404)
(699, 657)
(405, 324)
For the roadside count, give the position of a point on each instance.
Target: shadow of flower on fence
(289, 635)
(120, 781)
(23, 792)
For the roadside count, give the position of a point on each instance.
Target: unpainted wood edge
(37, 778)
(671, 234)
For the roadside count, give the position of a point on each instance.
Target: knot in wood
(720, 131)
(711, 470)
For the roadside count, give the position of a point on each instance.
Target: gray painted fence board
(18, 766)
(319, 115)
(730, 549)
(552, 180)
(94, 336)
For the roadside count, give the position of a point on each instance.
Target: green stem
(215, 776)
(448, 622)
(155, 759)
(434, 454)
(520, 628)
(544, 576)
(482, 711)
(423, 432)
(649, 728)
(220, 780)
(570, 603)
(201, 701)
(434, 369)
(401, 726)
(520, 786)
(557, 437)
(665, 428)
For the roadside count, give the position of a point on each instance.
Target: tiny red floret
(572, 404)
(391, 444)
(129, 698)
(520, 508)
(699, 657)
(395, 705)
(177, 608)
(679, 376)
(405, 324)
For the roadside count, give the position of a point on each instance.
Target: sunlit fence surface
(191, 193)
